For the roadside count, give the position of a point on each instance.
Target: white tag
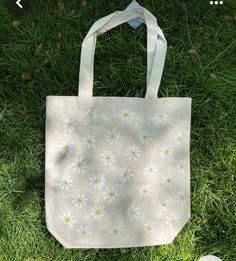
(133, 23)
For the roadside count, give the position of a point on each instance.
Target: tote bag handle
(156, 49)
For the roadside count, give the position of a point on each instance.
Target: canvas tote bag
(117, 168)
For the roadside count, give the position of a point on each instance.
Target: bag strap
(156, 49)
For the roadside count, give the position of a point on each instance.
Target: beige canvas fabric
(117, 168)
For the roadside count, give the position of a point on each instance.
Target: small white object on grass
(209, 258)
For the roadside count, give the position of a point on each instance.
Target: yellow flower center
(145, 137)
(90, 141)
(168, 180)
(161, 116)
(97, 180)
(66, 147)
(66, 182)
(79, 200)
(108, 157)
(182, 197)
(113, 136)
(132, 213)
(145, 190)
(181, 166)
(173, 221)
(69, 125)
(133, 152)
(67, 219)
(98, 212)
(149, 228)
(179, 138)
(126, 115)
(125, 174)
(151, 169)
(115, 231)
(163, 205)
(166, 151)
(110, 194)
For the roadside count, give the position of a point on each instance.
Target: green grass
(200, 63)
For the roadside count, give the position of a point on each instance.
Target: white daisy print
(98, 212)
(112, 137)
(67, 147)
(80, 165)
(84, 230)
(116, 229)
(97, 181)
(145, 191)
(79, 200)
(108, 158)
(166, 152)
(133, 152)
(150, 228)
(181, 197)
(178, 138)
(68, 218)
(125, 174)
(160, 117)
(172, 220)
(111, 194)
(126, 115)
(89, 141)
(182, 166)
(145, 137)
(65, 182)
(68, 125)
(163, 204)
(91, 116)
(133, 213)
(151, 169)
(168, 180)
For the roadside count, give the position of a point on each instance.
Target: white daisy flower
(68, 218)
(111, 194)
(160, 117)
(84, 230)
(166, 152)
(163, 204)
(145, 191)
(151, 169)
(125, 174)
(181, 197)
(150, 228)
(133, 213)
(89, 141)
(65, 182)
(79, 165)
(133, 152)
(68, 125)
(126, 115)
(178, 138)
(182, 166)
(168, 180)
(67, 147)
(116, 229)
(108, 158)
(98, 212)
(79, 200)
(145, 137)
(97, 181)
(112, 137)
(172, 220)
(91, 116)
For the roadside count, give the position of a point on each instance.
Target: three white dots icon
(216, 2)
